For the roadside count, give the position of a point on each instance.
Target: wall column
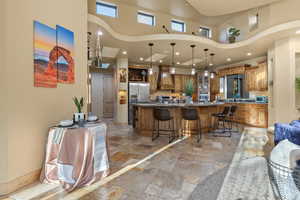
(121, 91)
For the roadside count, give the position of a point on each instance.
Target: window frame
(146, 14)
(209, 31)
(176, 21)
(253, 26)
(108, 5)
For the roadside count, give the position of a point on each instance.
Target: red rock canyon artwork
(53, 56)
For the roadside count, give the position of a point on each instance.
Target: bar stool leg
(199, 130)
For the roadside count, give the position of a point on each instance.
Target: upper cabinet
(180, 81)
(214, 87)
(257, 78)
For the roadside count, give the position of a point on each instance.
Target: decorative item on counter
(79, 105)
(122, 96)
(233, 34)
(189, 90)
(123, 75)
(144, 74)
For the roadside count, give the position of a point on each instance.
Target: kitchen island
(247, 113)
(143, 116)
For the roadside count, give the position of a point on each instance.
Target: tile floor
(173, 174)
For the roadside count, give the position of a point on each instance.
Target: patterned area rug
(247, 177)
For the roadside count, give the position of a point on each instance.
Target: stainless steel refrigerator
(138, 93)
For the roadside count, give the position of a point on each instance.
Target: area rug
(247, 177)
(210, 187)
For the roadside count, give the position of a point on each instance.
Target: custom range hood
(165, 78)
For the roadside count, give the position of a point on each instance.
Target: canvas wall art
(53, 56)
(45, 73)
(123, 75)
(65, 51)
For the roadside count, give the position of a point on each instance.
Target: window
(177, 26)
(253, 21)
(205, 32)
(106, 9)
(145, 18)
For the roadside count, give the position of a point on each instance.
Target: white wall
(282, 106)
(3, 101)
(121, 115)
(30, 111)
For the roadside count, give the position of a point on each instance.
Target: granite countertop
(247, 102)
(189, 105)
(176, 104)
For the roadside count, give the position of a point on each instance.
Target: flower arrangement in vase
(79, 103)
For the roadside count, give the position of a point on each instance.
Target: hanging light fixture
(193, 72)
(206, 62)
(172, 69)
(97, 60)
(212, 74)
(151, 67)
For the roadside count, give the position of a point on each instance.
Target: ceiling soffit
(213, 7)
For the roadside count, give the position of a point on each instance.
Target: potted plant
(79, 115)
(189, 90)
(233, 34)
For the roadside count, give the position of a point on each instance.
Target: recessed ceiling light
(249, 54)
(141, 58)
(124, 52)
(178, 63)
(160, 61)
(210, 64)
(298, 32)
(177, 53)
(100, 33)
(228, 59)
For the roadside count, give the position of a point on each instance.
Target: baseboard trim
(20, 182)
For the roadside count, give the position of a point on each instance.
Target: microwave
(261, 99)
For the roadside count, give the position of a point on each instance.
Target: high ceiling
(213, 7)
(137, 46)
(180, 8)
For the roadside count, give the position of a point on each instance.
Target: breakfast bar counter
(144, 120)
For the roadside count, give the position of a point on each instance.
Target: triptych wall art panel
(53, 56)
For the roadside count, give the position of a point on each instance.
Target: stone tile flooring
(173, 174)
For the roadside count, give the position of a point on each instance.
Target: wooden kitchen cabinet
(257, 78)
(214, 88)
(180, 81)
(153, 82)
(251, 114)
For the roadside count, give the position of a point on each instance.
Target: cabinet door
(178, 83)
(153, 82)
(263, 76)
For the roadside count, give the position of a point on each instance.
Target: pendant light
(151, 67)
(212, 74)
(172, 69)
(193, 72)
(206, 62)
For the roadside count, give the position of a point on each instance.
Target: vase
(189, 100)
(78, 117)
(231, 39)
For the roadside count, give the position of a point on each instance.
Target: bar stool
(230, 119)
(163, 114)
(220, 117)
(191, 114)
